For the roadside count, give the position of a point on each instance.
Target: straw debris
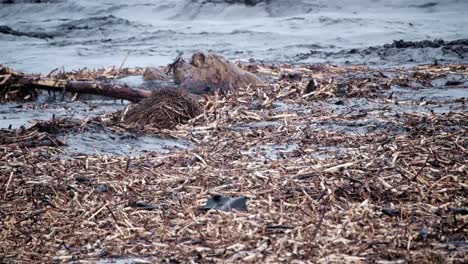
(165, 109)
(380, 177)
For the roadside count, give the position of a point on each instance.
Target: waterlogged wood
(379, 181)
(81, 87)
(111, 90)
(205, 74)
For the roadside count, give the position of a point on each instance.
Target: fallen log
(21, 81)
(206, 73)
(87, 87)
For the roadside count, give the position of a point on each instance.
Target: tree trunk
(86, 87)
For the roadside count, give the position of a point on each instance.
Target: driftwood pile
(207, 73)
(344, 172)
(165, 109)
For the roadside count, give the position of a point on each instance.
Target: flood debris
(12, 82)
(59, 125)
(27, 138)
(224, 203)
(391, 212)
(10, 92)
(375, 174)
(154, 74)
(208, 73)
(165, 109)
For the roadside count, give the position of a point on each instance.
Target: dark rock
(102, 188)
(454, 83)
(339, 102)
(423, 233)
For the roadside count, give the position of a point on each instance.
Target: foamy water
(102, 33)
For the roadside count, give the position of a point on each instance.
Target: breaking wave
(101, 33)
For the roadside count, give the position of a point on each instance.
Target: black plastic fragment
(224, 203)
(457, 211)
(102, 188)
(83, 179)
(144, 206)
(391, 212)
(453, 83)
(339, 102)
(423, 233)
(295, 76)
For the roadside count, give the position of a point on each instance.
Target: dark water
(42, 36)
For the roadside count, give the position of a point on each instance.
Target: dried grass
(397, 194)
(165, 109)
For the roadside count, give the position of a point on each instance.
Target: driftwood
(23, 81)
(89, 87)
(206, 73)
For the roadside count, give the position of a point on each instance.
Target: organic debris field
(336, 164)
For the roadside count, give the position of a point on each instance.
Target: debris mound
(154, 74)
(26, 138)
(208, 73)
(165, 109)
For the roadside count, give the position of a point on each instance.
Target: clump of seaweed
(165, 109)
